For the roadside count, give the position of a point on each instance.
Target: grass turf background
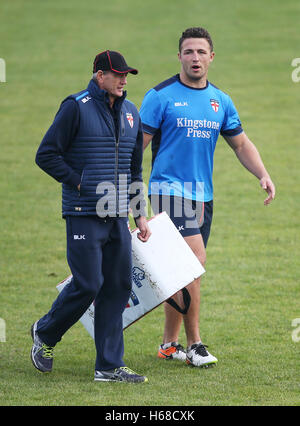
(250, 293)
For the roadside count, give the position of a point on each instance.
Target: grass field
(250, 292)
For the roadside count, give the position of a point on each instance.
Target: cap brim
(131, 70)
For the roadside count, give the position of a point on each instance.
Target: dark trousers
(99, 256)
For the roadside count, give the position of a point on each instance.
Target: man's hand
(249, 156)
(143, 226)
(267, 184)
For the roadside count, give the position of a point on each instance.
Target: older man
(94, 147)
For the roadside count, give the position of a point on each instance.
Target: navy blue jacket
(99, 148)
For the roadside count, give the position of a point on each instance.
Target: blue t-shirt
(185, 123)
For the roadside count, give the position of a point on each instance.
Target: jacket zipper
(79, 191)
(117, 124)
(116, 172)
(121, 129)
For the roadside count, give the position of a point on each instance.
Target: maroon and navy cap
(112, 61)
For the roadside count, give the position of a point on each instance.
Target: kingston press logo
(197, 128)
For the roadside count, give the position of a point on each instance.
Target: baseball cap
(110, 60)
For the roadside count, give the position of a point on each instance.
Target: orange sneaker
(171, 351)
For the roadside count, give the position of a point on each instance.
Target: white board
(160, 268)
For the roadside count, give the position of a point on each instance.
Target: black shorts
(190, 217)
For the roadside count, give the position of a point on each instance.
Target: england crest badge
(130, 119)
(215, 104)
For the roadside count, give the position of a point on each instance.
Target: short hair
(196, 32)
(94, 76)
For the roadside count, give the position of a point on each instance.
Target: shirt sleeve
(151, 112)
(49, 156)
(232, 124)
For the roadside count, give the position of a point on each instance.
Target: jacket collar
(102, 95)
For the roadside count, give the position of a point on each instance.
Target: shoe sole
(107, 380)
(111, 378)
(170, 358)
(119, 381)
(161, 355)
(208, 365)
